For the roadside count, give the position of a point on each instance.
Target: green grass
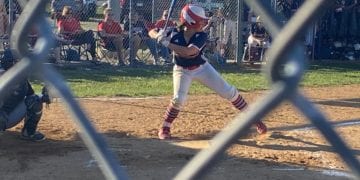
(327, 74)
(157, 81)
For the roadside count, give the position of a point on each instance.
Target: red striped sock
(240, 103)
(170, 115)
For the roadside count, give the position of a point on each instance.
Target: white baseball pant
(206, 75)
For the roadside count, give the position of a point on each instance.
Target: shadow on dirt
(142, 158)
(12, 145)
(307, 145)
(305, 127)
(355, 103)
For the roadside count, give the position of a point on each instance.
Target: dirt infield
(291, 150)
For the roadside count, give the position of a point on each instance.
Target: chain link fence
(333, 36)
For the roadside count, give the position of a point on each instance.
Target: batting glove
(162, 38)
(164, 41)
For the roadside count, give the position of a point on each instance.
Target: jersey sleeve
(101, 26)
(199, 40)
(60, 23)
(119, 29)
(159, 24)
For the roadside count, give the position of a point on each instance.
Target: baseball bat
(171, 9)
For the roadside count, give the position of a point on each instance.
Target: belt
(191, 67)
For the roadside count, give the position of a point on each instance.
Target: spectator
(69, 27)
(56, 51)
(160, 24)
(3, 20)
(136, 37)
(111, 33)
(258, 35)
(140, 35)
(211, 27)
(287, 8)
(342, 14)
(230, 16)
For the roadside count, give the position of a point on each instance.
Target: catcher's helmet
(191, 15)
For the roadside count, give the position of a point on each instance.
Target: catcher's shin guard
(34, 112)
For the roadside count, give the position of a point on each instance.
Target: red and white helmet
(191, 15)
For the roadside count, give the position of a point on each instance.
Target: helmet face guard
(192, 16)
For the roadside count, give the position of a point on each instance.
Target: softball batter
(187, 43)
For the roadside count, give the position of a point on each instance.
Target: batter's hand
(160, 33)
(162, 38)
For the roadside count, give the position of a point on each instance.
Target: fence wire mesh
(333, 36)
(231, 21)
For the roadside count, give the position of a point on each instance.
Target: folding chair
(144, 53)
(66, 44)
(104, 52)
(254, 54)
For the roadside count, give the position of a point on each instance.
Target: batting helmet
(191, 16)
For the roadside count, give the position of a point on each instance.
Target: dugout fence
(285, 69)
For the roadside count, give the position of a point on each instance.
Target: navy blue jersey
(198, 40)
(20, 91)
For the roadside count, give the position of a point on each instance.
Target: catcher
(21, 104)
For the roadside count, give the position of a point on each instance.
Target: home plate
(200, 144)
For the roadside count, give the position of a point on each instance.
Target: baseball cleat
(261, 127)
(164, 133)
(36, 137)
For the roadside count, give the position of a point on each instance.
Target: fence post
(131, 41)
(11, 16)
(153, 11)
(240, 47)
